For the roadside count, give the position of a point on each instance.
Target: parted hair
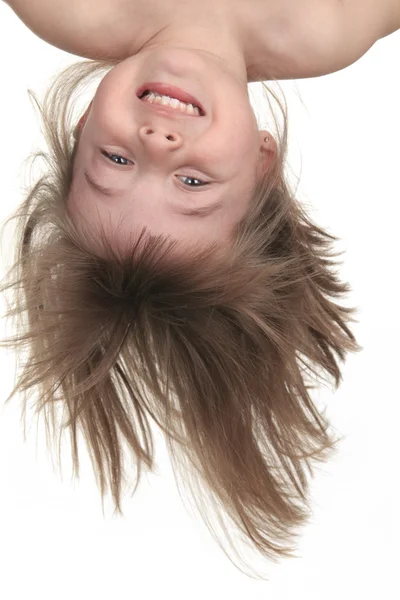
(221, 350)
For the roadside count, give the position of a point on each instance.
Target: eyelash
(203, 183)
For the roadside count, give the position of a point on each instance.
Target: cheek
(239, 128)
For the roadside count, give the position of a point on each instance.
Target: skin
(212, 53)
(158, 161)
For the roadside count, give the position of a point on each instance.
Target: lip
(170, 90)
(168, 111)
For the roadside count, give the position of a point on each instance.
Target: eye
(109, 156)
(202, 183)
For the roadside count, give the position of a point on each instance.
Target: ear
(81, 122)
(268, 149)
(267, 152)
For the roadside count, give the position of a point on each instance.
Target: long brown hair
(221, 353)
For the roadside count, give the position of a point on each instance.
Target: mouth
(168, 111)
(172, 92)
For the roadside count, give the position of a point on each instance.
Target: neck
(218, 40)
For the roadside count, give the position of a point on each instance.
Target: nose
(160, 139)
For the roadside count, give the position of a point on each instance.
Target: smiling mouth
(165, 89)
(169, 111)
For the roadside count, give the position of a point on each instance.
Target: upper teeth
(155, 98)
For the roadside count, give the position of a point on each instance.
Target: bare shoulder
(76, 26)
(311, 38)
(361, 23)
(288, 38)
(341, 31)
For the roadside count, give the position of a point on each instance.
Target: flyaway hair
(220, 350)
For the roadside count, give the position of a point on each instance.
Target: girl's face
(152, 166)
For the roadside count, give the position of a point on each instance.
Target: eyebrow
(203, 211)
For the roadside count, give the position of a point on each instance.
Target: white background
(344, 139)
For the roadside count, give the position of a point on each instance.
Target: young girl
(164, 265)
